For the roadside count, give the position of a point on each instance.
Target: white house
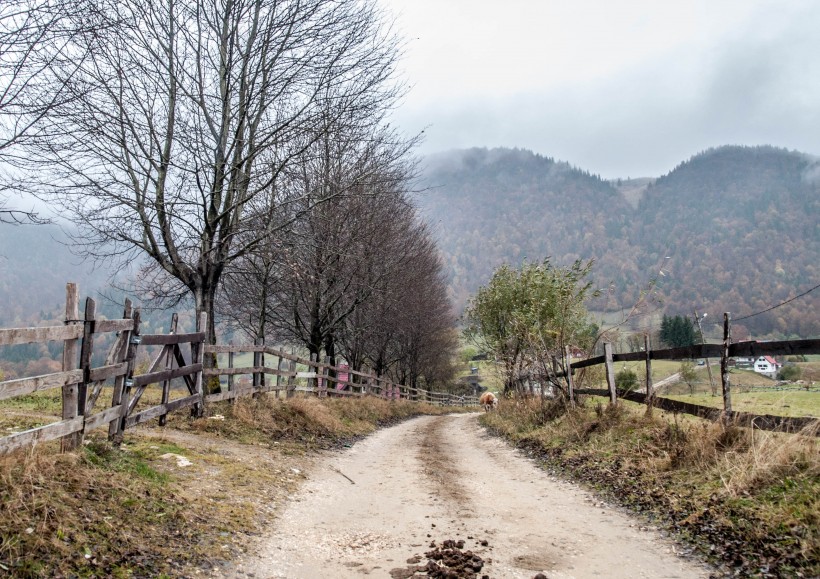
(766, 365)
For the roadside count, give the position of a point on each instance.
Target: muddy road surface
(437, 495)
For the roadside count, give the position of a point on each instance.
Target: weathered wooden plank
(589, 362)
(115, 355)
(13, 336)
(163, 339)
(40, 434)
(169, 363)
(157, 411)
(154, 377)
(190, 382)
(104, 326)
(235, 348)
(122, 351)
(198, 353)
(23, 386)
(610, 373)
(761, 421)
(246, 370)
(70, 351)
(102, 418)
(110, 371)
(231, 394)
(686, 353)
(86, 348)
(161, 359)
(784, 348)
(725, 382)
(309, 375)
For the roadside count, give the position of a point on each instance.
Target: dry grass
(132, 511)
(748, 498)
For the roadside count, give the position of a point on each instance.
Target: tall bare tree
(185, 113)
(32, 33)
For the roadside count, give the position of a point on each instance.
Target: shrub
(626, 380)
(790, 373)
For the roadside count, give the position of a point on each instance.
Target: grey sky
(620, 88)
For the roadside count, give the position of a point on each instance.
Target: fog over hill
(732, 229)
(740, 226)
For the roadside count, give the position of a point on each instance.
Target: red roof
(771, 360)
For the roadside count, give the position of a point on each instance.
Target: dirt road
(379, 508)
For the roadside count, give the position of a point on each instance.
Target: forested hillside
(35, 264)
(739, 226)
(494, 206)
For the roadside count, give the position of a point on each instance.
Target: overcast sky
(622, 88)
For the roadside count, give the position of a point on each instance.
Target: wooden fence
(82, 383)
(321, 379)
(724, 351)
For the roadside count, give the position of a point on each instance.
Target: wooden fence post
(230, 376)
(131, 360)
(86, 350)
(70, 351)
(119, 381)
(323, 373)
(610, 373)
(724, 365)
(278, 377)
(257, 379)
(198, 409)
(291, 387)
(648, 372)
(169, 362)
(570, 384)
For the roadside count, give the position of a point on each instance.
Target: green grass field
(784, 403)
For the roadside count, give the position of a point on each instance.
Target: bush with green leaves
(626, 380)
(790, 372)
(524, 317)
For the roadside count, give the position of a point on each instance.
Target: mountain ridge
(739, 225)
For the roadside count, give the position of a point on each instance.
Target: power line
(778, 305)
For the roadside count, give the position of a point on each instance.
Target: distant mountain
(35, 264)
(507, 205)
(742, 225)
(738, 224)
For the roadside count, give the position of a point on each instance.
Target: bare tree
(336, 259)
(406, 328)
(32, 34)
(340, 194)
(185, 113)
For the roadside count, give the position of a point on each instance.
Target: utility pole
(708, 363)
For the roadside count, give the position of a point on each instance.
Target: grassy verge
(783, 403)
(172, 501)
(747, 500)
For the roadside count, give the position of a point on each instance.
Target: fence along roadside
(82, 384)
(723, 351)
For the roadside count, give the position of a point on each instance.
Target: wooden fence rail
(724, 352)
(318, 376)
(180, 359)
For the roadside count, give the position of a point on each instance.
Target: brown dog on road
(488, 401)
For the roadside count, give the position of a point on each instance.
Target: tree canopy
(525, 317)
(678, 331)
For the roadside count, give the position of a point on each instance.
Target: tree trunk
(205, 300)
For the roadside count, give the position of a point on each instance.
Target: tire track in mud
(439, 467)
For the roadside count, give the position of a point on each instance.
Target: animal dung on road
(447, 560)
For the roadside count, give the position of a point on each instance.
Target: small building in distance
(766, 365)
